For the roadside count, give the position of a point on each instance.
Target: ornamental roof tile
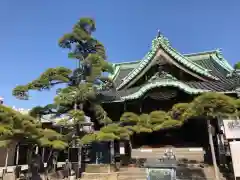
(121, 75)
(214, 68)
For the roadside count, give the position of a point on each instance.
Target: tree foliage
(211, 105)
(178, 110)
(47, 80)
(147, 123)
(16, 127)
(207, 105)
(51, 138)
(237, 103)
(237, 66)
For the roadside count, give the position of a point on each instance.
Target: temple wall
(11, 155)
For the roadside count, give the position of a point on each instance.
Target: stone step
(132, 170)
(138, 178)
(196, 154)
(156, 154)
(175, 151)
(189, 149)
(178, 157)
(132, 178)
(179, 152)
(189, 172)
(161, 153)
(9, 176)
(99, 176)
(132, 174)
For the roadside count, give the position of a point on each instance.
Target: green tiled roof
(222, 61)
(216, 56)
(190, 87)
(162, 42)
(163, 83)
(123, 65)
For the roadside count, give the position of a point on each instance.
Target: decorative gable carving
(161, 74)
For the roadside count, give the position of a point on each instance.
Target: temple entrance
(193, 133)
(163, 99)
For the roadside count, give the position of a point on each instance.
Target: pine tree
(16, 127)
(84, 86)
(147, 123)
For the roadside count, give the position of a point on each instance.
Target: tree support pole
(79, 161)
(17, 154)
(212, 150)
(112, 152)
(6, 162)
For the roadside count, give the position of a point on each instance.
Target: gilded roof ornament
(161, 37)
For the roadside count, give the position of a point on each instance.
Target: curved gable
(162, 43)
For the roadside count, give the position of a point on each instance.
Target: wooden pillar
(43, 154)
(36, 150)
(124, 107)
(140, 108)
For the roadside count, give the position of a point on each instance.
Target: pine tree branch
(39, 111)
(50, 78)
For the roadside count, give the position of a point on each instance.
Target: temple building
(166, 74)
(163, 78)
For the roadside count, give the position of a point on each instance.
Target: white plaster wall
(235, 148)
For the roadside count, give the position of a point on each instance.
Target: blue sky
(30, 30)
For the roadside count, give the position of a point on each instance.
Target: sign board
(235, 148)
(122, 150)
(232, 129)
